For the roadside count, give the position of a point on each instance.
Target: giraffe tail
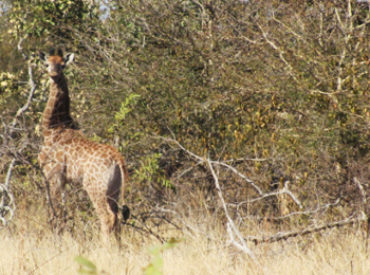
(125, 210)
(125, 213)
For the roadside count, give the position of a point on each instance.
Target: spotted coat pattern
(67, 156)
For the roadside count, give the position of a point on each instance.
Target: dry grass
(35, 251)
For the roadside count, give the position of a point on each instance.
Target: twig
(279, 51)
(188, 170)
(234, 170)
(273, 194)
(159, 238)
(286, 191)
(362, 190)
(296, 213)
(145, 230)
(20, 48)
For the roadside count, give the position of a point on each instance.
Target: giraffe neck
(57, 110)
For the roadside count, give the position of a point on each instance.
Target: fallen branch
(282, 236)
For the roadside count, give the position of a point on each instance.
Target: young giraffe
(67, 156)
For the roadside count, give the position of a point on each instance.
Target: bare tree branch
(285, 190)
(362, 190)
(319, 208)
(31, 84)
(231, 227)
(235, 171)
(7, 205)
(202, 160)
(235, 236)
(9, 173)
(30, 96)
(282, 191)
(279, 51)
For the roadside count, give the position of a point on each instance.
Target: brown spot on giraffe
(67, 156)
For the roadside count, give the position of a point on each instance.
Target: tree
(271, 93)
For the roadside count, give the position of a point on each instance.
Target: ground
(205, 250)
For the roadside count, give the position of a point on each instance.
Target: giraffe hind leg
(108, 221)
(106, 209)
(116, 227)
(113, 194)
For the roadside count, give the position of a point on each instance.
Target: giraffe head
(55, 63)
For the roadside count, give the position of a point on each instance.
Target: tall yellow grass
(35, 251)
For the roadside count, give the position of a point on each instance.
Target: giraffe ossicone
(67, 156)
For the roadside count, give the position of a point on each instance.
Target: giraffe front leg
(56, 198)
(46, 169)
(50, 197)
(55, 183)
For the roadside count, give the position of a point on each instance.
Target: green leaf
(86, 266)
(126, 106)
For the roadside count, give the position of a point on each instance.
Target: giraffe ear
(43, 56)
(69, 58)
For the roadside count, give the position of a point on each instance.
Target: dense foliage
(276, 89)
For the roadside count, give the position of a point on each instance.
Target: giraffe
(67, 156)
